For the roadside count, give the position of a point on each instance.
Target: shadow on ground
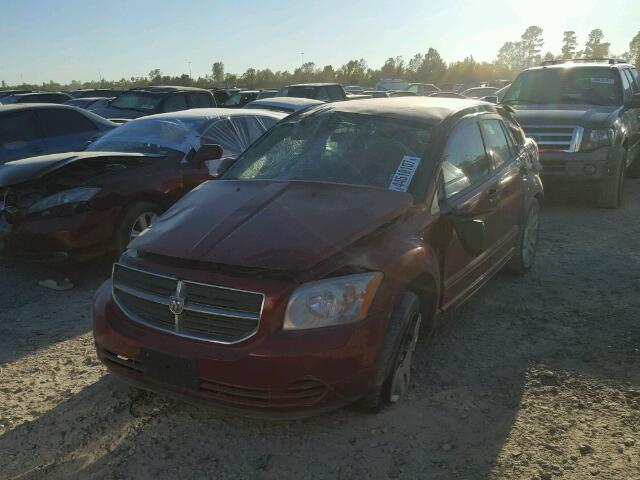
(574, 316)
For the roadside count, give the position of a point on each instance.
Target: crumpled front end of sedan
(206, 313)
(219, 338)
(60, 207)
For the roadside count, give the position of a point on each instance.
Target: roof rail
(610, 61)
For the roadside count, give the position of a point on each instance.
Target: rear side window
(632, 81)
(200, 100)
(175, 103)
(495, 141)
(465, 161)
(323, 94)
(636, 78)
(335, 92)
(60, 122)
(17, 127)
(626, 86)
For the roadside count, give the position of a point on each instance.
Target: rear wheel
(527, 246)
(396, 357)
(135, 220)
(612, 189)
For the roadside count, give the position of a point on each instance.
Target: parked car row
(282, 259)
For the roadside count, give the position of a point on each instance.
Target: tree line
(430, 67)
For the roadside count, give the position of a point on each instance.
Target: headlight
(598, 137)
(68, 197)
(334, 301)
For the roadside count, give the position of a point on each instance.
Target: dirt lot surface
(537, 377)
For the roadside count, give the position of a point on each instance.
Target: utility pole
(190, 70)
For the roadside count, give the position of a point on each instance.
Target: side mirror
(491, 99)
(217, 168)
(634, 102)
(208, 151)
(472, 234)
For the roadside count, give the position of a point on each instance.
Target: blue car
(27, 130)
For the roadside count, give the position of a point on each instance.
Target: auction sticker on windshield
(404, 174)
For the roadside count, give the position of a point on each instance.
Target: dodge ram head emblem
(176, 305)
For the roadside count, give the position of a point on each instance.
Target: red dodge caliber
(300, 281)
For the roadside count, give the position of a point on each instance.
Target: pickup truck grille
(188, 309)
(559, 138)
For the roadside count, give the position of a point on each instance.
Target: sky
(62, 40)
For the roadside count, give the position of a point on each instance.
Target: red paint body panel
(287, 226)
(90, 232)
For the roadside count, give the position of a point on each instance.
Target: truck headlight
(334, 301)
(598, 137)
(68, 197)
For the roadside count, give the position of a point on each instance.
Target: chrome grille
(206, 312)
(562, 138)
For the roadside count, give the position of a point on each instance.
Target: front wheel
(134, 221)
(612, 189)
(392, 380)
(527, 246)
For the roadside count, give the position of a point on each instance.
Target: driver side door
(469, 193)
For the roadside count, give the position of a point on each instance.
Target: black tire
(611, 192)
(127, 220)
(403, 329)
(528, 238)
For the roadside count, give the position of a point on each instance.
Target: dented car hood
(278, 225)
(28, 169)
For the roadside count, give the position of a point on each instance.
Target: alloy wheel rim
(141, 223)
(530, 237)
(402, 374)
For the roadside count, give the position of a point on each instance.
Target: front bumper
(586, 166)
(79, 236)
(275, 374)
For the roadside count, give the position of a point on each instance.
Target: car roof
(37, 94)
(313, 84)
(167, 89)
(429, 110)
(208, 113)
(581, 65)
(36, 106)
(286, 101)
(12, 107)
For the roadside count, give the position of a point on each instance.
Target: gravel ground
(537, 377)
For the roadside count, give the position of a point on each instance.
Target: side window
(413, 88)
(632, 81)
(465, 161)
(323, 95)
(513, 145)
(175, 102)
(335, 92)
(636, 77)
(626, 86)
(495, 141)
(17, 127)
(58, 122)
(200, 100)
